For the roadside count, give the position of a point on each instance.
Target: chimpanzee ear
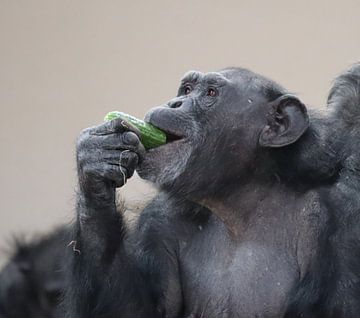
(287, 121)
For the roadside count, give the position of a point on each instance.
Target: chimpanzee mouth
(159, 161)
(171, 137)
(174, 129)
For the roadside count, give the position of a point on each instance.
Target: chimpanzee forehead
(241, 77)
(209, 78)
(252, 80)
(235, 74)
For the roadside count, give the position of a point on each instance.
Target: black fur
(258, 213)
(256, 174)
(32, 282)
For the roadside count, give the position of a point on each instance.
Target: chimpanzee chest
(246, 279)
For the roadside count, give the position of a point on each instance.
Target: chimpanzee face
(216, 127)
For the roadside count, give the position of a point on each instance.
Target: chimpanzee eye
(187, 89)
(211, 92)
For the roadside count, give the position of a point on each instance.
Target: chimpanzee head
(33, 279)
(219, 128)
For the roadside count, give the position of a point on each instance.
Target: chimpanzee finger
(117, 125)
(126, 140)
(132, 142)
(125, 158)
(122, 178)
(129, 160)
(113, 173)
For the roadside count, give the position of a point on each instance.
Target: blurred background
(65, 64)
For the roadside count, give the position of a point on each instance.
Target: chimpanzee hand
(108, 154)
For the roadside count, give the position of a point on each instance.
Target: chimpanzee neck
(243, 206)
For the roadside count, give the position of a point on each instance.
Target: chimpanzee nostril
(175, 104)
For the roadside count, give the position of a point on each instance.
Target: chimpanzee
(32, 281)
(257, 213)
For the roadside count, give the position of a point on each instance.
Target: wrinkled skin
(245, 224)
(227, 123)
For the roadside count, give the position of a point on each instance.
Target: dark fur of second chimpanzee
(33, 279)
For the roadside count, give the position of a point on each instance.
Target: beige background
(64, 64)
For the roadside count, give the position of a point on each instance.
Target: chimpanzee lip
(171, 135)
(172, 140)
(169, 147)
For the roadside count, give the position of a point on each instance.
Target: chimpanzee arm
(107, 278)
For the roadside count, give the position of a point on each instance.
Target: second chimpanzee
(257, 215)
(32, 281)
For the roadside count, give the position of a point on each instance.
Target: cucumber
(150, 136)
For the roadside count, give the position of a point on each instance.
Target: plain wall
(65, 64)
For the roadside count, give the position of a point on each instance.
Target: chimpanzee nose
(175, 103)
